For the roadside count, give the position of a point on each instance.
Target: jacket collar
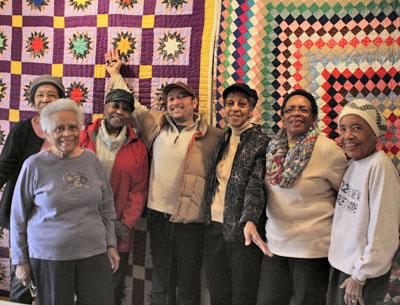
(93, 128)
(254, 128)
(200, 123)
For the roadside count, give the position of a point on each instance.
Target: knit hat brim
(121, 95)
(46, 80)
(364, 109)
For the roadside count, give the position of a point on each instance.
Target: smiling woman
(304, 170)
(299, 115)
(365, 225)
(55, 189)
(25, 138)
(237, 205)
(62, 124)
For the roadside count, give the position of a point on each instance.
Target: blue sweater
(62, 209)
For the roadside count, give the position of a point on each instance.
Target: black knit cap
(120, 95)
(242, 88)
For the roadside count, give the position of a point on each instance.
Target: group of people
(292, 218)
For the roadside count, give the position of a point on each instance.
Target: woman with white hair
(63, 217)
(25, 139)
(367, 213)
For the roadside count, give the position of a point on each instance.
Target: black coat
(245, 197)
(21, 143)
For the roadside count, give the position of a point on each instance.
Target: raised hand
(113, 62)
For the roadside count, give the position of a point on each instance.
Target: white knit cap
(364, 109)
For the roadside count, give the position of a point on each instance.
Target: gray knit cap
(46, 80)
(364, 109)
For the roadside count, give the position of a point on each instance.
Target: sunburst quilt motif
(27, 92)
(3, 88)
(37, 4)
(126, 3)
(3, 42)
(80, 45)
(160, 103)
(80, 4)
(36, 44)
(78, 92)
(174, 3)
(125, 43)
(171, 46)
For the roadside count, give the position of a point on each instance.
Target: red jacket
(129, 178)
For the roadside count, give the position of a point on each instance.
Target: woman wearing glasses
(304, 170)
(25, 139)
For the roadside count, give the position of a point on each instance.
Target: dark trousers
(18, 292)
(119, 278)
(89, 279)
(373, 291)
(232, 269)
(283, 277)
(177, 254)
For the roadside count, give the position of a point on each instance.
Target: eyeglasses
(180, 96)
(302, 110)
(118, 105)
(48, 95)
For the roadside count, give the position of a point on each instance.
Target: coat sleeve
(138, 191)
(9, 157)
(255, 199)
(21, 207)
(383, 223)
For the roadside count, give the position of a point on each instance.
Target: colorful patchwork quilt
(338, 50)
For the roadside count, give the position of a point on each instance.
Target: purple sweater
(62, 209)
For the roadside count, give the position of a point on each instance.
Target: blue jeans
(177, 254)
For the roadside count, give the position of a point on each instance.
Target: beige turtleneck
(107, 146)
(223, 172)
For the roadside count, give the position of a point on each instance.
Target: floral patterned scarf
(284, 165)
